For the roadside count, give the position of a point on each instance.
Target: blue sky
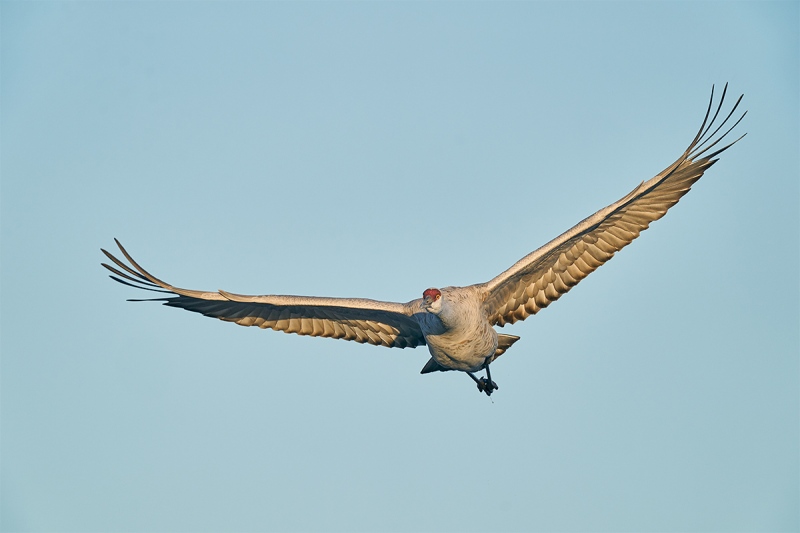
(374, 150)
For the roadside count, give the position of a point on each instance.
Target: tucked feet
(484, 384)
(487, 385)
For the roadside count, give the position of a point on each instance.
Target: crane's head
(432, 300)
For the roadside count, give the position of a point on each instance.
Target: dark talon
(484, 384)
(487, 386)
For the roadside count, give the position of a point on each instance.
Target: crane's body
(458, 333)
(457, 323)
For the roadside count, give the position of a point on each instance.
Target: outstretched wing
(541, 277)
(379, 323)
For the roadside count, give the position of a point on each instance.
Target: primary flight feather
(457, 323)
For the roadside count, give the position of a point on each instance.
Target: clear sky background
(374, 150)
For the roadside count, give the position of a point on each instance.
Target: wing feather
(366, 321)
(543, 276)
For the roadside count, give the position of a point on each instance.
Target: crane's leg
(485, 384)
(490, 385)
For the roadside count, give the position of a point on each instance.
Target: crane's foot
(487, 385)
(484, 384)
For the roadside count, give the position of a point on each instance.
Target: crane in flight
(457, 323)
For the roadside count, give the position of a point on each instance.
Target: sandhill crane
(457, 323)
